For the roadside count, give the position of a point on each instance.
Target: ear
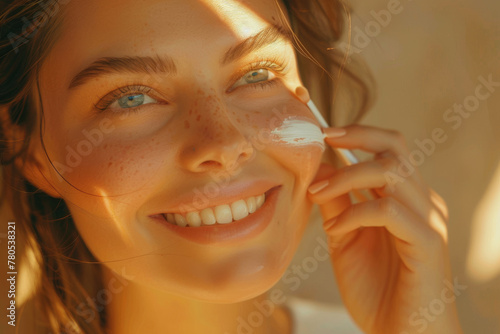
(33, 163)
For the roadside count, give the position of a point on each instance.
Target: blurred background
(428, 57)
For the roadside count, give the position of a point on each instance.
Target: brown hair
(61, 258)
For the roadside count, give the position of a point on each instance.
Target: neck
(141, 309)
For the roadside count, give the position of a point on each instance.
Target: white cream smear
(299, 132)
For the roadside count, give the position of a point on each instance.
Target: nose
(215, 143)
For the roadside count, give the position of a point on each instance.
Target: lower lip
(245, 228)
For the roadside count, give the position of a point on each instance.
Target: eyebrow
(166, 65)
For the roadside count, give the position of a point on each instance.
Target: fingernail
(334, 132)
(330, 223)
(317, 186)
(302, 93)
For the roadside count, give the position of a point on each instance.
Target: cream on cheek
(287, 132)
(290, 139)
(299, 132)
(299, 140)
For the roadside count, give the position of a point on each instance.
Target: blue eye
(254, 76)
(132, 101)
(129, 97)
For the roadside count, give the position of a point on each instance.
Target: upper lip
(227, 194)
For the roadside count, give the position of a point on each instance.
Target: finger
(324, 171)
(403, 170)
(383, 143)
(370, 139)
(370, 175)
(386, 212)
(336, 205)
(440, 204)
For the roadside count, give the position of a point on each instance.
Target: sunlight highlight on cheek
(120, 226)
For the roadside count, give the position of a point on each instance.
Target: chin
(236, 293)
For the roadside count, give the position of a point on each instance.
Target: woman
(162, 194)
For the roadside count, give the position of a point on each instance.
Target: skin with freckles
(189, 125)
(146, 103)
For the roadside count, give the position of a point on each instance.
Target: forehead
(110, 25)
(182, 29)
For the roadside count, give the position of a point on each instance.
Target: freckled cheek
(264, 115)
(302, 160)
(115, 167)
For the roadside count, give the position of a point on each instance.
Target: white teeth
(222, 214)
(193, 218)
(207, 216)
(252, 205)
(180, 220)
(260, 200)
(239, 209)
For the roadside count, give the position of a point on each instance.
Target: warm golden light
(483, 261)
(119, 225)
(29, 268)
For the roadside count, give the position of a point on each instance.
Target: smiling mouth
(221, 214)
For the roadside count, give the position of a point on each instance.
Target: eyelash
(276, 65)
(106, 101)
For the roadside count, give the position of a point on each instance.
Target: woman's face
(183, 109)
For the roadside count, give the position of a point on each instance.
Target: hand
(390, 254)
